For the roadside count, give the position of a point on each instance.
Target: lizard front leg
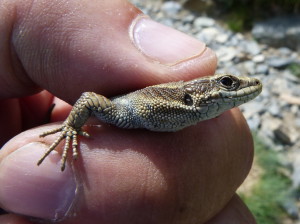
(88, 103)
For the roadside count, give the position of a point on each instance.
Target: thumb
(109, 47)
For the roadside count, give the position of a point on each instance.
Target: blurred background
(259, 38)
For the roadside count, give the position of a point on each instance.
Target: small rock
(188, 19)
(222, 38)
(204, 22)
(290, 77)
(284, 51)
(277, 62)
(254, 122)
(258, 58)
(239, 36)
(208, 35)
(233, 41)
(228, 69)
(251, 47)
(282, 135)
(269, 125)
(297, 122)
(185, 28)
(249, 67)
(294, 109)
(287, 133)
(226, 54)
(274, 108)
(262, 69)
(279, 85)
(269, 141)
(171, 7)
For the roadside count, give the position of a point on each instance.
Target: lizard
(167, 107)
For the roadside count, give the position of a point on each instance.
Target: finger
(17, 115)
(125, 176)
(103, 46)
(13, 219)
(234, 212)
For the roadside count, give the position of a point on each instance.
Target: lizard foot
(70, 134)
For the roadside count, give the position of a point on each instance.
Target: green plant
(295, 69)
(271, 190)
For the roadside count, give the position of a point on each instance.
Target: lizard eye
(226, 81)
(229, 83)
(188, 100)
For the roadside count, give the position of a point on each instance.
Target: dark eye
(188, 100)
(226, 81)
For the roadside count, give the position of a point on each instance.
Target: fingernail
(38, 191)
(162, 43)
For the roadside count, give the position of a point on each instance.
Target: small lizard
(166, 107)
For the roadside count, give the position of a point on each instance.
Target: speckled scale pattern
(150, 108)
(165, 107)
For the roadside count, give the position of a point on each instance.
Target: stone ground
(275, 114)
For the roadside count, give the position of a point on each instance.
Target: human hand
(121, 176)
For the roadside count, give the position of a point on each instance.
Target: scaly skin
(166, 107)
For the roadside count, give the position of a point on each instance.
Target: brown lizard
(166, 107)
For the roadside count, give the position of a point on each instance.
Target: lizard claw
(70, 134)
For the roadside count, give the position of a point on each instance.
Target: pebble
(226, 54)
(222, 38)
(251, 47)
(188, 19)
(254, 122)
(282, 134)
(204, 22)
(284, 51)
(278, 62)
(290, 77)
(262, 69)
(208, 35)
(249, 67)
(274, 108)
(171, 7)
(297, 122)
(258, 58)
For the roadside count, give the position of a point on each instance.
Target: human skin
(121, 176)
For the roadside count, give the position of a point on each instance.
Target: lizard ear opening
(188, 100)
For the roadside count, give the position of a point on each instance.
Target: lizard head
(225, 90)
